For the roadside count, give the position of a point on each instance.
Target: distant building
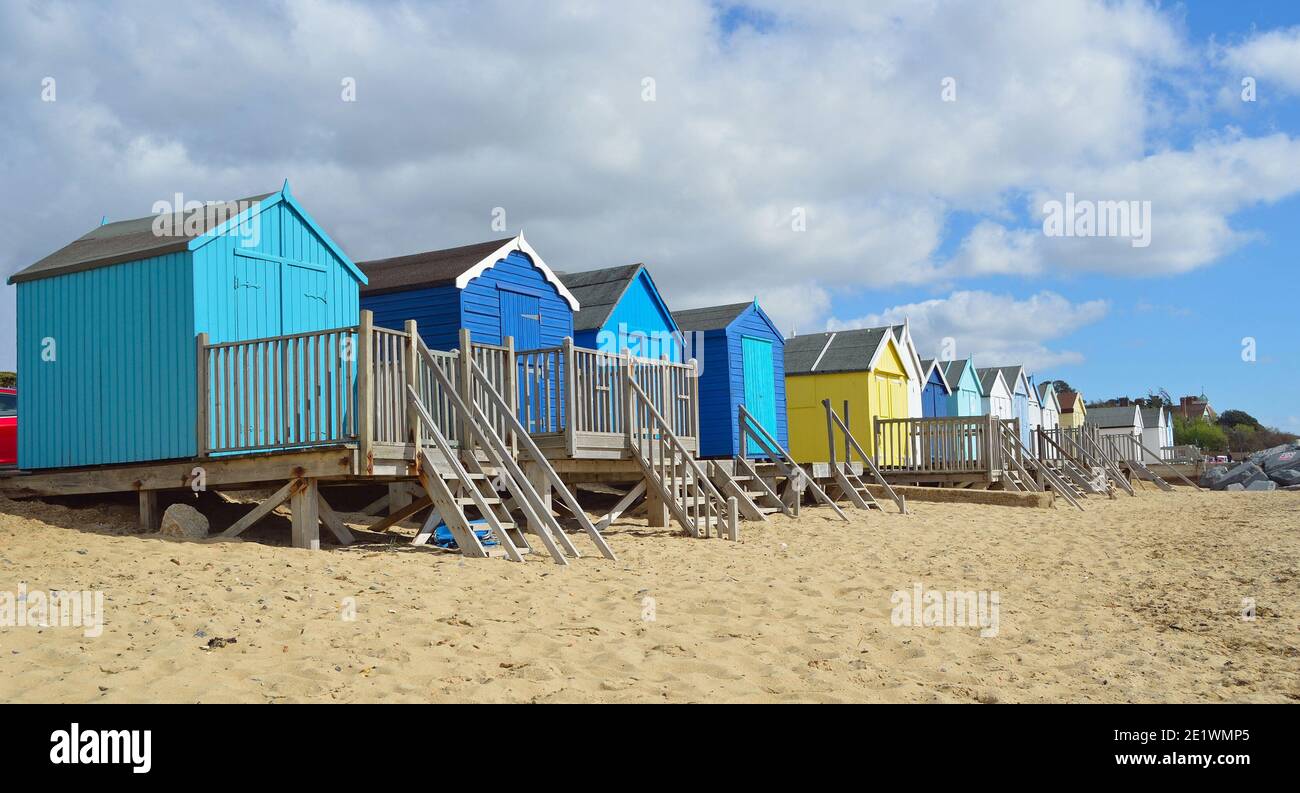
(1195, 407)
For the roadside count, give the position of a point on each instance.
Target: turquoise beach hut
(107, 324)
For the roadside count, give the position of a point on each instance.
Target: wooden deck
(370, 405)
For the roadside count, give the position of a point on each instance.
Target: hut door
(760, 392)
(521, 317)
(306, 298)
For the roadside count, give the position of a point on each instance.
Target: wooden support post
(305, 504)
(733, 523)
(536, 476)
(510, 382)
(694, 377)
(399, 495)
(466, 388)
(830, 433)
(413, 380)
(201, 396)
(848, 455)
(150, 520)
(656, 510)
(366, 392)
(569, 399)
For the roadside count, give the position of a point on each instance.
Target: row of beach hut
(108, 326)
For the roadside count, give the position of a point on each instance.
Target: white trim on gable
(517, 244)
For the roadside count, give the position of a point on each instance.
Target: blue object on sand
(443, 539)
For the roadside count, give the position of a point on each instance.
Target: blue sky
(692, 137)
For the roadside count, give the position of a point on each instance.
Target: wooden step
(469, 502)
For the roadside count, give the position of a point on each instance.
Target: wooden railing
(578, 391)
(950, 445)
(350, 385)
(289, 391)
(685, 488)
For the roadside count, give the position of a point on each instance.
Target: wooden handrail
(548, 471)
(831, 415)
(749, 425)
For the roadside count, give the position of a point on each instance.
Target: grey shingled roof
(849, 351)
(125, 241)
(1012, 375)
(710, 318)
(1042, 391)
(598, 291)
(1111, 417)
(1151, 416)
(987, 377)
(953, 370)
(431, 268)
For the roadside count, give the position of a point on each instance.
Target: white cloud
(833, 108)
(1271, 57)
(998, 329)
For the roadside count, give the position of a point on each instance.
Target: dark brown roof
(431, 268)
(130, 240)
(1067, 400)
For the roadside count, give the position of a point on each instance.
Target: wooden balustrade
(350, 385)
(289, 391)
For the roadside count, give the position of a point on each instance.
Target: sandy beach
(1135, 600)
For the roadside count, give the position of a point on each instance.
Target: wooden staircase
(797, 480)
(672, 470)
(846, 480)
(465, 482)
(755, 499)
(1025, 470)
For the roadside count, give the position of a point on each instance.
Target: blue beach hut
(742, 355)
(494, 289)
(936, 392)
(623, 310)
(964, 399)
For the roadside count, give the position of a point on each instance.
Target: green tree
(1233, 418)
(1202, 434)
(8, 379)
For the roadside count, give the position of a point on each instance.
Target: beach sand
(1136, 599)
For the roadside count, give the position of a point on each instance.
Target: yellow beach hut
(862, 367)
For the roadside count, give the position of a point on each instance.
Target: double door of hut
(890, 402)
(289, 378)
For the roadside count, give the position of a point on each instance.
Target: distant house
(623, 310)
(863, 367)
(966, 396)
(1195, 408)
(1157, 433)
(743, 363)
(1074, 413)
(494, 289)
(936, 391)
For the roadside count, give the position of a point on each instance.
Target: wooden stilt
(401, 514)
(656, 508)
(150, 520)
(537, 479)
(305, 503)
(399, 495)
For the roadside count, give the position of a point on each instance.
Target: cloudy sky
(847, 164)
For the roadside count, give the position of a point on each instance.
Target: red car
(8, 426)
